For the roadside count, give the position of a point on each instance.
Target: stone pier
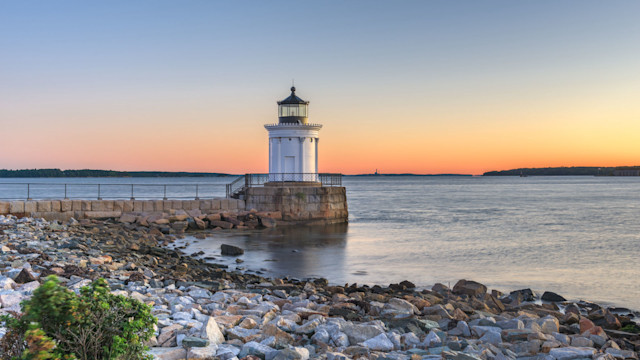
(288, 205)
(101, 209)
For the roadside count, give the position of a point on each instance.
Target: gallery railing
(253, 180)
(42, 191)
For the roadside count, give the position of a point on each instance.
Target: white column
(316, 140)
(301, 162)
(278, 168)
(270, 154)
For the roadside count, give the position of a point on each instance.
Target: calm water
(578, 236)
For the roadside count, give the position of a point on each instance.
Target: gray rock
(295, 353)
(512, 335)
(358, 333)
(207, 352)
(7, 283)
(379, 343)
(182, 315)
(211, 331)
(321, 336)
(336, 356)
(308, 328)
(456, 355)
(395, 306)
(527, 348)
(553, 297)
(469, 287)
(481, 330)
(491, 337)
(167, 353)
(461, 329)
(549, 324)
(256, 349)
(410, 340)
(580, 341)
(192, 341)
(570, 353)
(242, 334)
(432, 339)
(11, 299)
(598, 340)
(510, 324)
(562, 338)
(231, 250)
(622, 354)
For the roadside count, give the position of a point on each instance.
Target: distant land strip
(57, 173)
(409, 174)
(563, 171)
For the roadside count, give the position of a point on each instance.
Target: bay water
(577, 236)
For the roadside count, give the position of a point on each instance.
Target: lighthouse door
(289, 168)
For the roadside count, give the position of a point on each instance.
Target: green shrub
(58, 324)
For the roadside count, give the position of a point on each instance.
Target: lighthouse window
(293, 110)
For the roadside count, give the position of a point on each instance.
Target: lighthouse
(293, 143)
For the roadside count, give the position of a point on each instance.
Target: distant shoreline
(567, 171)
(87, 173)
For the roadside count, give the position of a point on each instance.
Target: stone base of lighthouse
(294, 205)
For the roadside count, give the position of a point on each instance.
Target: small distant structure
(627, 171)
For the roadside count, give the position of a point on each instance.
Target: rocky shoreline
(225, 314)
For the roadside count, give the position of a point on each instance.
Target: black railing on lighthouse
(255, 180)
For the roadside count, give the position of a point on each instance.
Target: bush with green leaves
(56, 323)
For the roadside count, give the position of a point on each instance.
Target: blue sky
(429, 68)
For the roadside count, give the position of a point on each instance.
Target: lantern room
(293, 110)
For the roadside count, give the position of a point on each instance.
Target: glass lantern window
(299, 110)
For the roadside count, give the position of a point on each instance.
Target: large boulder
(211, 331)
(601, 317)
(470, 288)
(267, 221)
(552, 297)
(231, 250)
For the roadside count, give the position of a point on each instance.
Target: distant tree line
(555, 171)
(57, 173)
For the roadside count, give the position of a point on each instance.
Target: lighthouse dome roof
(292, 99)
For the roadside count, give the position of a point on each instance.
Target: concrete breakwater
(247, 316)
(286, 205)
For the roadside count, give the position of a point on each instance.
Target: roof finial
(293, 87)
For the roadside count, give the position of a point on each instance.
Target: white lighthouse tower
(293, 143)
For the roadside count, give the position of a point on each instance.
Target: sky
(421, 87)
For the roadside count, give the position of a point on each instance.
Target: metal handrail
(236, 186)
(105, 191)
(255, 180)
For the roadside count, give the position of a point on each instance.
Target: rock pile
(225, 315)
(178, 221)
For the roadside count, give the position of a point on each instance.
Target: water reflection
(295, 251)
